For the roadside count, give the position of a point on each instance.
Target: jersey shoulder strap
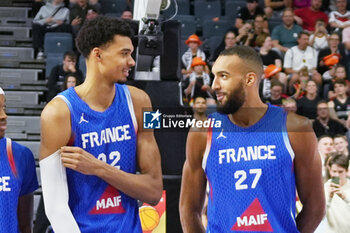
(10, 156)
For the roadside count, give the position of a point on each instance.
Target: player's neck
(97, 93)
(249, 114)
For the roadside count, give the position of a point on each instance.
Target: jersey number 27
(241, 175)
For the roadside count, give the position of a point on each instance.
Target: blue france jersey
(251, 176)
(17, 178)
(111, 137)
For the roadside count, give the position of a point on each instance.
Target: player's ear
(96, 52)
(251, 78)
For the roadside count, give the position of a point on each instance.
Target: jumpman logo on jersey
(82, 119)
(221, 135)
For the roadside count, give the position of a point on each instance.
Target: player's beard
(121, 81)
(234, 101)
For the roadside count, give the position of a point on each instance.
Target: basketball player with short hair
(91, 145)
(254, 170)
(18, 181)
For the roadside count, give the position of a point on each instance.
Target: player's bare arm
(308, 172)
(147, 186)
(193, 183)
(55, 127)
(25, 213)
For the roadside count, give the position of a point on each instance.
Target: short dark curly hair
(250, 57)
(100, 31)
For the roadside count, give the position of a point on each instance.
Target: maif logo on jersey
(110, 202)
(254, 218)
(151, 120)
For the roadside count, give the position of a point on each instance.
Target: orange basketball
(149, 218)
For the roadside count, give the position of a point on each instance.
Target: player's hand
(79, 160)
